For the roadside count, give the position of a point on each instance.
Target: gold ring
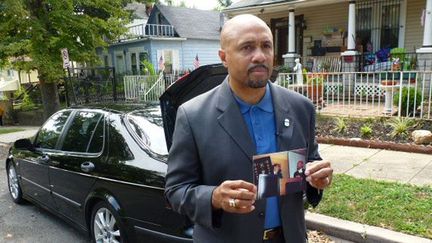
(232, 202)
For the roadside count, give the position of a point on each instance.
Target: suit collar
(230, 117)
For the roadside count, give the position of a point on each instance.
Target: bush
(27, 103)
(366, 131)
(410, 100)
(400, 126)
(341, 126)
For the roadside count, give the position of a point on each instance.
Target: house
(175, 38)
(10, 80)
(353, 29)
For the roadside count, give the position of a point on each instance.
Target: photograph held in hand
(276, 174)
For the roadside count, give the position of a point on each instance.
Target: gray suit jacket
(212, 144)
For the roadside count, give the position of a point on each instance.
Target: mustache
(252, 66)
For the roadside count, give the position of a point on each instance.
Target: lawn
(9, 130)
(399, 207)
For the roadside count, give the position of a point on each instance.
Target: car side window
(51, 130)
(96, 143)
(80, 131)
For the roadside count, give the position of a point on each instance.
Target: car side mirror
(24, 144)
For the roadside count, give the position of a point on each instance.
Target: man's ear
(222, 56)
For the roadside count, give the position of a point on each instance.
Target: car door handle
(44, 159)
(87, 166)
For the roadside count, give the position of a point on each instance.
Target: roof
(254, 3)
(193, 23)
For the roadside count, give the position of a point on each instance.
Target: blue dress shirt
(260, 120)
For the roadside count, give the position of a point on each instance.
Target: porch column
(291, 55)
(349, 56)
(291, 31)
(425, 53)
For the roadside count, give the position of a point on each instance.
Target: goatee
(256, 84)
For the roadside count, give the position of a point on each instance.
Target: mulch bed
(380, 138)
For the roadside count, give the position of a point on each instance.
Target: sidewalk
(9, 138)
(375, 164)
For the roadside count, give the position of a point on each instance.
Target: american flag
(161, 63)
(196, 62)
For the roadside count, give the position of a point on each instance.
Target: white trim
(402, 23)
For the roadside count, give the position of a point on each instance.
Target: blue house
(174, 37)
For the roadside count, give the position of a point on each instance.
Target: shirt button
(259, 138)
(261, 214)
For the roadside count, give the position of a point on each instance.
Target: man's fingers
(321, 174)
(240, 184)
(315, 166)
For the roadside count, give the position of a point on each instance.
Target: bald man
(216, 134)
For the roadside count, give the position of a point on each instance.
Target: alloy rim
(105, 227)
(13, 182)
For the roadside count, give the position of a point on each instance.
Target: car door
(34, 167)
(71, 170)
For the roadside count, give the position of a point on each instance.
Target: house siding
(207, 51)
(414, 30)
(336, 15)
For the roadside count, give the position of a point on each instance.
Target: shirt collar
(265, 104)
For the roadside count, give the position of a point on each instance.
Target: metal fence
(402, 94)
(140, 88)
(91, 85)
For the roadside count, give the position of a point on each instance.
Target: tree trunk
(50, 98)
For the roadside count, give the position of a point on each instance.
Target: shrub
(366, 131)
(341, 125)
(410, 100)
(400, 126)
(27, 103)
(148, 67)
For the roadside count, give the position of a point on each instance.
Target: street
(28, 223)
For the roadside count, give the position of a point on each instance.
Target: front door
(279, 29)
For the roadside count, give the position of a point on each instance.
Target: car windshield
(146, 126)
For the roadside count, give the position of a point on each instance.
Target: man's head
(247, 51)
(300, 165)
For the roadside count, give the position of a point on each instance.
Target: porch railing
(402, 94)
(148, 30)
(146, 88)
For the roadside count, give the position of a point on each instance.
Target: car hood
(187, 87)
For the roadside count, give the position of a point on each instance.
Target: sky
(201, 4)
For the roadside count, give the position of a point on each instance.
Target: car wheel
(13, 184)
(106, 225)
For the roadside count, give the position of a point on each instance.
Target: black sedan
(103, 169)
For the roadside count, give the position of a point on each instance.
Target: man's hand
(234, 196)
(319, 174)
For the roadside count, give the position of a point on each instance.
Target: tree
(224, 3)
(32, 32)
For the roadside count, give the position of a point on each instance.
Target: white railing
(406, 94)
(146, 88)
(143, 30)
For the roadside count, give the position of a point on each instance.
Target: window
(81, 131)
(171, 60)
(134, 64)
(378, 24)
(51, 130)
(142, 56)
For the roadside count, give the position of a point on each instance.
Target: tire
(13, 184)
(106, 225)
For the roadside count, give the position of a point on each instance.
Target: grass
(399, 207)
(9, 130)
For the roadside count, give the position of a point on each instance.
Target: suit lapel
(232, 121)
(284, 120)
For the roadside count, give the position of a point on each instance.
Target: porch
(402, 94)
